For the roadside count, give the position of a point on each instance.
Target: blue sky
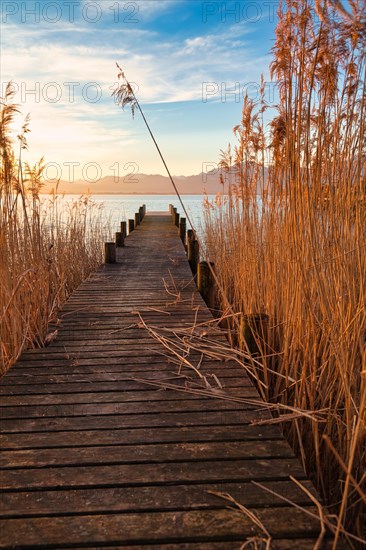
(185, 57)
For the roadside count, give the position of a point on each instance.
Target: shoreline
(128, 194)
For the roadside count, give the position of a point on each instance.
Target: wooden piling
(144, 210)
(131, 226)
(190, 235)
(124, 228)
(182, 229)
(206, 283)
(120, 239)
(176, 219)
(174, 211)
(193, 255)
(110, 253)
(137, 219)
(141, 213)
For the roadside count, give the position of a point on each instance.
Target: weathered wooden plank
(56, 353)
(153, 309)
(137, 370)
(71, 319)
(113, 421)
(280, 544)
(83, 385)
(32, 356)
(78, 329)
(65, 353)
(144, 347)
(133, 454)
(192, 526)
(124, 436)
(131, 499)
(141, 407)
(173, 370)
(113, 397)
(151, 474)
(124, 380)
(143, 365)
(29, 360)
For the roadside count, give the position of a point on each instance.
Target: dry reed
(297, 252)
(45, 250)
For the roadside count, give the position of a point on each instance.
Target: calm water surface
(123, 207)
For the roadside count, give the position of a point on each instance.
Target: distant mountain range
(141, 184)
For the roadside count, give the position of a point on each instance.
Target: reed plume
(288, 240)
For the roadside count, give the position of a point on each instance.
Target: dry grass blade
(123, 329)
(217, 393)
(158, 310)
(323, 518)
(170, 346)
(256, 521)
(179, 349)
(314, 416)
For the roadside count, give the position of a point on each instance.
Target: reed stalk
(287, 237)
(45, 250)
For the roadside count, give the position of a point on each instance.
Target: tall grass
(45, 251)
(297, 253)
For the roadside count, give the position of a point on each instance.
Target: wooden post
(137, 219)
(190, 235)
(193, 255)
(124, 228)
(144, 210)
(120, 239)
(176, 219)
(182, 229)
(206, 283)
(174, 211)
(170, 208)
(253, 330)
(141, 213)
(131, 226)
(110, 253)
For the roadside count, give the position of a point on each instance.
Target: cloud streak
(65, 73)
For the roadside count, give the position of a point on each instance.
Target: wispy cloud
(76, 61)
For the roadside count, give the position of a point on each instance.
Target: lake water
(123, 207)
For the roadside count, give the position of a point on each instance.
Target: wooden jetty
(124, 432)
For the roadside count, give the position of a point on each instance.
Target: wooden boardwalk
(107, 441)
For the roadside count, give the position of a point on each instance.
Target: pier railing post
(131, 226)
(110, 253)
(193, 255)
(176, 219)
(182, 229)
(205, 283)
(137, 219)
(124, 228)
(141, 212)
(190, 236)
(120, 239)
